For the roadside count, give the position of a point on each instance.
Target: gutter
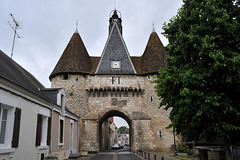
(50, 148)
(78, 135)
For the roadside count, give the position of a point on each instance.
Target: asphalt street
(121, 154)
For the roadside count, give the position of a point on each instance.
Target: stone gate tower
(115, 84)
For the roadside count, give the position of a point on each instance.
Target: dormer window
(115, 64)
(61, 100)
(63, 103)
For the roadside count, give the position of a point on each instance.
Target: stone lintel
(140, 116)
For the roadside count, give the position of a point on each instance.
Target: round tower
(70, 73)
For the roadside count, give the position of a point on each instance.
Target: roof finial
(153, 30)
(76, 27)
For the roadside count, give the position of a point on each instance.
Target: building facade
(30, 118)
(115, 84)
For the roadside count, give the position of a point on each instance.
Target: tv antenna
(14, 25)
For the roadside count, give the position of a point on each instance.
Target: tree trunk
(227, 149)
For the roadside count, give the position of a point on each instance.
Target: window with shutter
(39, 130)
(3, 120)
(61, 131)
(43, 130)
(6, 125)
(16, 128)
(49, 130)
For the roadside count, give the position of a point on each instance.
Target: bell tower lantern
(115, 17)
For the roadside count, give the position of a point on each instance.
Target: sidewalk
(163, 156)
(159, 156)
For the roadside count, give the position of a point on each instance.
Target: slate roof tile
(14, 73)
(115, 50)
(154, 55)
(75, 58)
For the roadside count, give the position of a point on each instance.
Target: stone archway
(118, 113)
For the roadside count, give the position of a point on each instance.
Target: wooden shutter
(61, 131)
(39, 130)
(49, 131)
(16, 128)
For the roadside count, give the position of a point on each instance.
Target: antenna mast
(14, 25)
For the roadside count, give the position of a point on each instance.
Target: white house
(33, 120)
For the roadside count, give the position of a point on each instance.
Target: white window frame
(9, 125)
(61, 100)
(61, 118)
(45, 115)
(44, 131)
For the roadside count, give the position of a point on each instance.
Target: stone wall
(76, 94)
(159, 117)
(92, 96)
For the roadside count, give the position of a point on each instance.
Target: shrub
(182, 147)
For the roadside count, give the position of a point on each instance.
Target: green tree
(122, 129)
(201, 81)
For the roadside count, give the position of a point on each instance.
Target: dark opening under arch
(112, 113)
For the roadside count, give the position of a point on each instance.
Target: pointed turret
(115, 58)
(75, 58)
(154, 55)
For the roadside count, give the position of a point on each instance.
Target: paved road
(122, 154)
(115, 156)
(128, 156)
(102, 156)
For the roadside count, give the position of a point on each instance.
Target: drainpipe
(78, 135)
(50, 150)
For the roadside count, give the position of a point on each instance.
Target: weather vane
(76, 27)
(153, 27)
(14, 25)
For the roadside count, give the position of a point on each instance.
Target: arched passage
(112, 113)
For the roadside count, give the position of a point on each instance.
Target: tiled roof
(14, 73)
(135, 60)
(95, 61)
(75, 58)
(115, 50)
(154, 55)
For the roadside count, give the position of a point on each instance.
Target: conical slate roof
(115, 51)
(75, 58)
(154, 55)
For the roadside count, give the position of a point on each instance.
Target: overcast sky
(120, 122)
(48, 25)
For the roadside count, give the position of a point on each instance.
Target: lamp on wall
(160, 133)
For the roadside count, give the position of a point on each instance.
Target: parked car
(121, 145)
(116, 146)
